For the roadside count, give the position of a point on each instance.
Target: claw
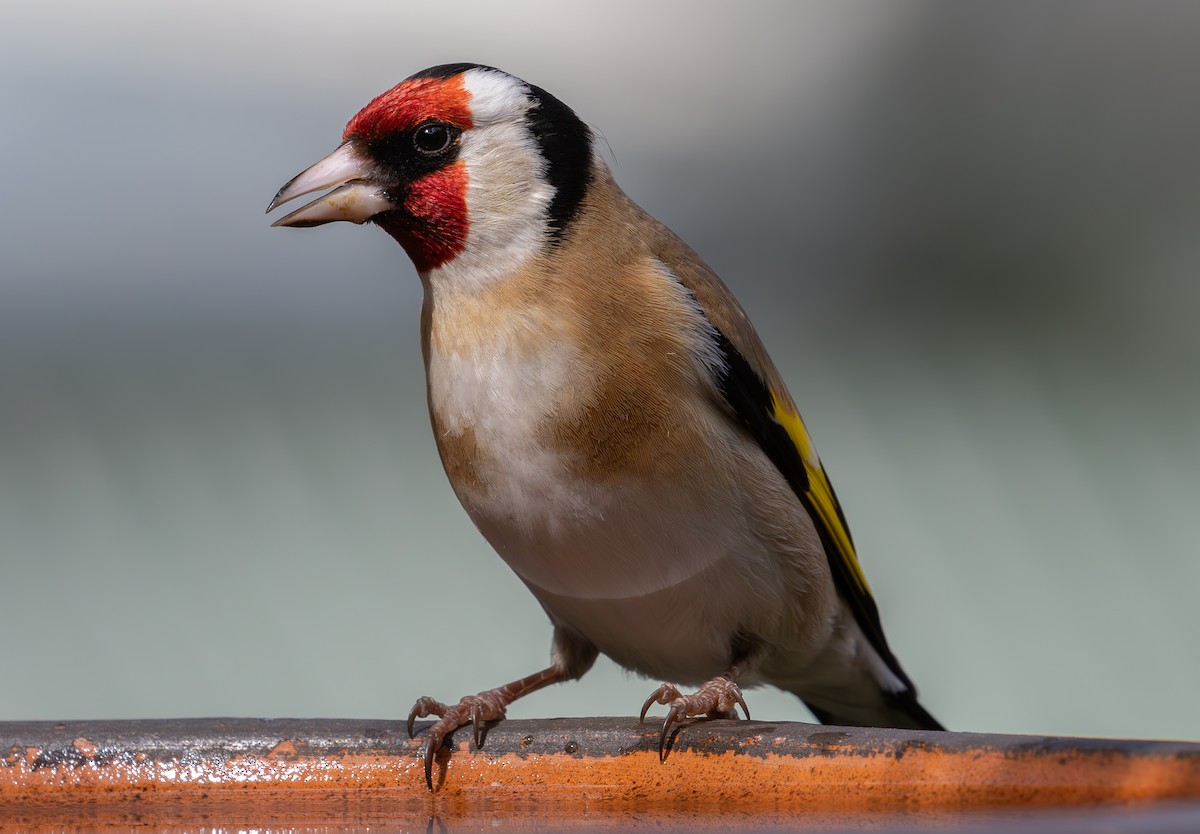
(423, 708)
(665, 694)
(716, 699)
(477, 725)
(645, 708)
(737, 696)
(673, 717)
(432, 742)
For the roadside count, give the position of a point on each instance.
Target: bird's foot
(476, 710)
(715, 699)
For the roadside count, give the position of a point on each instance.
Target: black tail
(900, 710)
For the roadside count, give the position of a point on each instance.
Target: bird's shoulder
(651, 246)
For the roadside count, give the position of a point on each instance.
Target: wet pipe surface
(604, 769)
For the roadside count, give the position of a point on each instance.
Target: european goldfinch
(607, 415)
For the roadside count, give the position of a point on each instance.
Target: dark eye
(434, 138)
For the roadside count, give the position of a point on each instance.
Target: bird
(607, 416)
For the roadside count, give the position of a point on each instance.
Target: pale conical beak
(357, 200)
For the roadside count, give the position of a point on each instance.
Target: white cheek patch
(507, 193)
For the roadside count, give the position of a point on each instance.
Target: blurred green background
(967, 233)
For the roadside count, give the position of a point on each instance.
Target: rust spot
(285, 749)
(84, 748)
(828, 739)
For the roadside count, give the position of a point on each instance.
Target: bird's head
(462, 164)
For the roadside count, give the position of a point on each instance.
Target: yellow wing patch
(820, 492)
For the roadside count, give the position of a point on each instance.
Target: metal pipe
(763, 773)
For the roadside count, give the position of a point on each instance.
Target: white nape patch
(496, 96)
(507, 192)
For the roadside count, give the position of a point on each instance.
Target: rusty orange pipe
(760, 772)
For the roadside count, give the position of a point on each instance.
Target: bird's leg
(476, 710)
(716, 699)
(571, 655)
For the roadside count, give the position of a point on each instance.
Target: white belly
(659, 584)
